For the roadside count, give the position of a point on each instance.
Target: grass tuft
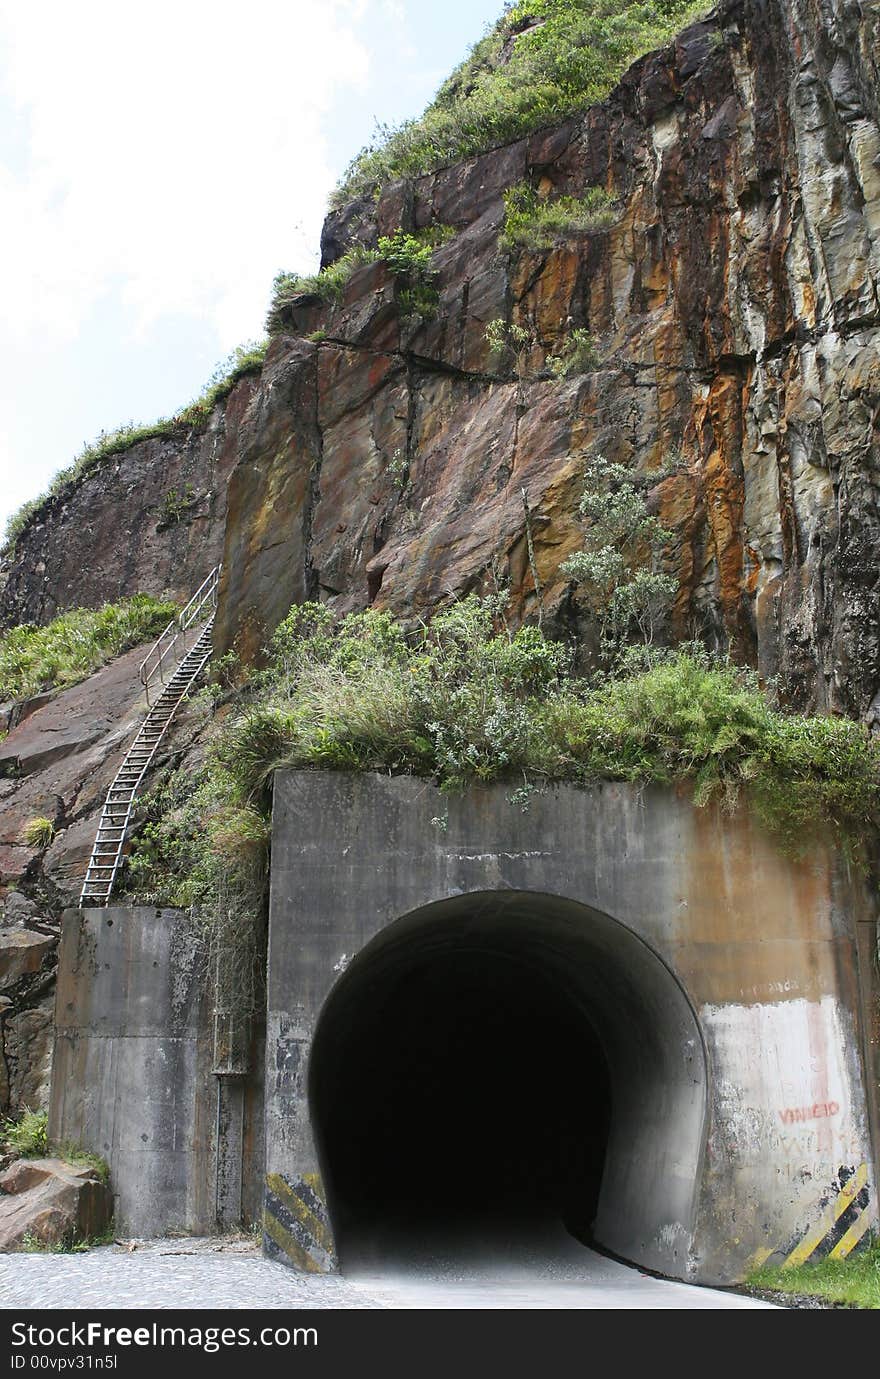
(39, 832)
(853, 1282)
(73, 645)
(536, 223)
(408, 257)
(27, 1136)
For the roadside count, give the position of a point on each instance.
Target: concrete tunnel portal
(491, 1027)
(497, 1066)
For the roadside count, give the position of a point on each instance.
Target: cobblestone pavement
(168, 1273)
(230, 1273)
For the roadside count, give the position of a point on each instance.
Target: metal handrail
(168, 641)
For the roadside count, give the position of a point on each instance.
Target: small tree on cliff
(616, 571)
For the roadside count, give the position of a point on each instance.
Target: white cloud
(172, 152)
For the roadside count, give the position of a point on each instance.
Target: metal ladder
(190, 633)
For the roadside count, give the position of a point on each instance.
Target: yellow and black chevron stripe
(843, 1221)
(841, 1225)
(296, 1223)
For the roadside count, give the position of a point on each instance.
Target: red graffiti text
(819, 1109)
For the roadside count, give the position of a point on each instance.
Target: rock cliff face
(149, 519)
(734, 303)
(735, 306)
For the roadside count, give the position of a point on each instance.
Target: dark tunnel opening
(460, 1097)
(509, 1073)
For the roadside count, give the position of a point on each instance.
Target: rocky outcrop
(51, 1202)
(57, 763)
(149, 519)
(734, 305)
(27, 986)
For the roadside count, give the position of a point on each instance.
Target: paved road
(229, 1273)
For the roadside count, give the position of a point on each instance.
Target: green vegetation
(26, 1136)
(203, 846)
(628, 600)
(39, 832)
(243, 360)
(543, 61)
(854, 1281)
(74, 1154)
(32, 1244)
(409, 257)
(328, 284)
(462, 700)
(538, 223)
(514, 339)
(576, 355)
(514, 344)
(175, 506)
(73, 645)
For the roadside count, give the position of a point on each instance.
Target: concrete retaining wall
(132, 1076)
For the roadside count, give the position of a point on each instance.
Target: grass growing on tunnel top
(854, 1282)
(76, 643)
(462, 700)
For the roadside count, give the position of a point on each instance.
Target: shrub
(576, 355)
(408, 257)
(175, 506)
(538, 223)
(520, 77)
(35, 659)
(512, 345)
(612, 571)
(39, 832)
(27, 1135)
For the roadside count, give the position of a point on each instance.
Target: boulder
(17, 909)
(27, 1053)
(22, 953)
(51, 1201)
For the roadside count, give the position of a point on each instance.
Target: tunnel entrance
(497, 1071)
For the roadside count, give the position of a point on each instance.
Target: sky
(159, 164)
